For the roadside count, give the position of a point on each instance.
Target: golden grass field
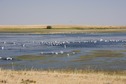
(55, 77)
(41, 29)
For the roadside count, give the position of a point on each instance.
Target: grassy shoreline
(60, 77)
(41, 29)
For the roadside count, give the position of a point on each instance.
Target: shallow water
(62, 51)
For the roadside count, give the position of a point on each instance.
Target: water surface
(104, 51)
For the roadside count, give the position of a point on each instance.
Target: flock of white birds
(63, 44)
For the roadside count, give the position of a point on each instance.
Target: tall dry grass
(55, 77)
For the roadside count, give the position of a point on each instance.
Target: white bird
(2, 48)
(73, 52)
(52, 52)
(0, 57)
(95, 41)
(68, 55)
(41, 53)
(9, 58)
(23, 45)
(64, 46)
(106, 40)
(4, 42)
(61, 52)
(101, 39)
(56, 53)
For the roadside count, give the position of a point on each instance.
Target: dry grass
(55, 77)
(41, 29)
(23, 26)
(59, 26)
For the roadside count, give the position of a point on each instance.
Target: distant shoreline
(42, 29)
(60, 26)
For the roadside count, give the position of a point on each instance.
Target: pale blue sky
(77, 12)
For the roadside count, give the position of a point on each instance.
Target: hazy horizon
(63, 12)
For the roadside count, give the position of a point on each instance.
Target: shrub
(49, 27)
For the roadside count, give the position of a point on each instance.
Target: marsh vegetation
(101, 54)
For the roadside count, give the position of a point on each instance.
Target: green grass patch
(30, 57)
(101, 54)
(106, 53)
(76, 51)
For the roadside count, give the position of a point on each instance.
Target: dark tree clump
(49, 27)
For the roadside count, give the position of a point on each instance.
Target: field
(61, 77)
(41, 29)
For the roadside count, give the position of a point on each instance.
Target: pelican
(61, 52)
(9, 58)
(106, 40)
(56, 53)
(68, 55)
(63, 42)
(41, 53)
(73, 52)
(2, 48)
(64, 46)
(101, 39)
(52, 52)
(95, 41)
(4, 42)
(23, 45)
(0, 57)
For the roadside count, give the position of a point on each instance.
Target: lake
(99, 51)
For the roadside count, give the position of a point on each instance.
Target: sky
(68, 12)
